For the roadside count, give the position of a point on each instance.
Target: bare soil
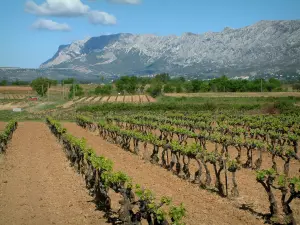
(135, 98)
(127, 98)
(68, 104)
(144, 98)
(112, 98)
(81, 100)
(89, 99)
(105, 99)
(202, 206)
(15, 88)
(120, 98)
(2, 126)
(96, 99)
(37, 185)
(151, 99)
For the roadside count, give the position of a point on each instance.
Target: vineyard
(153, 168)
(253, 160)
(110, 99)
(113, 192)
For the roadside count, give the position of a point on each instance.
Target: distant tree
(178, 88)
(128, 84)
(18, 82)
(196, 84)
(68, 81)
(273, 85)
(103, 90)
(131, 86)
(40, 85)
(296, 86)
(102, 78)
(163, 77)
(204, 87)
(188, 86)
(3, 83)
(154, 90)
(168, 88)
(53, 82)
(181, 79)
(75, 90)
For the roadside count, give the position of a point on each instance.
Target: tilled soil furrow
(202, 207)
(37, 185)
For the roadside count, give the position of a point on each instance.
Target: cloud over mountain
(69, 8)
(60, 8)
(104, 18)
(43, 24)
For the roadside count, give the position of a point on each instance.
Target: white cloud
(63, 8)
(43, 24)
(132, 2)
(97, 17)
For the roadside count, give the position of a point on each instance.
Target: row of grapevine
(278, 145)
(137, 204)
(133, 130)
(6, 135)
(266, 128)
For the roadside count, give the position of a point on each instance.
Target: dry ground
(15, 88)
(202, 207)
(2, 126)
(13, 104)
(37, 185)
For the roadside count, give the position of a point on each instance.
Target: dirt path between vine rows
(202, 207)
(37, 185)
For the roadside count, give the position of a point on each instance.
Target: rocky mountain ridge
(267, 47)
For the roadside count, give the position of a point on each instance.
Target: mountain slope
(267, 46)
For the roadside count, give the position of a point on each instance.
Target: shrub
(103, 90)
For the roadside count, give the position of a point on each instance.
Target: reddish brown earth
(112, 98)
(15, 88)
(150, 99)
(120, 98)
(135, 98)
(2, 125)
(144, 98)
(37, 185)
(127, 98)
(105, 99)
(202, 206)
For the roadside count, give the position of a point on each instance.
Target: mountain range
(266, 47)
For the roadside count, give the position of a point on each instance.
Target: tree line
(161, 83)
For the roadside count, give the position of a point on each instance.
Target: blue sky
(31, 31)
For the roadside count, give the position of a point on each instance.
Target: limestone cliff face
(263, 47)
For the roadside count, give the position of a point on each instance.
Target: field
(226, 159)
(217, 144)
(235, 94)
(111, 99)
(38, 189)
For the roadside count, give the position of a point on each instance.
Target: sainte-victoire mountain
(265, 47)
